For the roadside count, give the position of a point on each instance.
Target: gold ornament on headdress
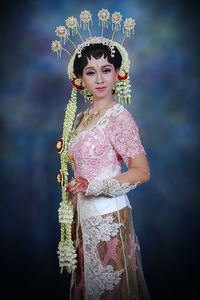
(66, 249)
(86, 18)
(56, 47)
(116, 19)
(129, 25)
(72, 24)
(104, 16)
(62, 32)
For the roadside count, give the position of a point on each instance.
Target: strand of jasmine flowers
(66, 240)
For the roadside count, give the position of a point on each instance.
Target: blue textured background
(165, 104)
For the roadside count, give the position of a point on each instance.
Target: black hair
(96, 51)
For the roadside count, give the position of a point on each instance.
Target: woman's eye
(106, 71)
(90, 73)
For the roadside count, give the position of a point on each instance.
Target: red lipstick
(102, 88)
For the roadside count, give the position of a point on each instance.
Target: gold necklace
(87, 118)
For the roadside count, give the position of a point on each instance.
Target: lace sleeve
(124, 136)
(109, 187)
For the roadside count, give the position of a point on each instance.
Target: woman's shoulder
(119, 111)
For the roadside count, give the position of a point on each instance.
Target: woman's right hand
(76, 185)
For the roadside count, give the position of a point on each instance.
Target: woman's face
(99, 77)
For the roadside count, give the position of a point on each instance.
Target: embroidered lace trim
(99, 123)
(98, 278)
(109, 187)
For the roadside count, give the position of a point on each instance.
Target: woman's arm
(138, 170)
(138, 173)
(124, 136)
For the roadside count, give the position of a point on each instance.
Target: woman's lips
(101, 88)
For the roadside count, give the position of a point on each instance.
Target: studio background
(165, 104)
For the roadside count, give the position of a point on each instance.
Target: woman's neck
(101, 104)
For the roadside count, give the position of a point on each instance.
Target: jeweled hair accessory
(122, 89)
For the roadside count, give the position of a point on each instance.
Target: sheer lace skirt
(108, 262)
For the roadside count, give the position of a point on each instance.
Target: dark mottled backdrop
(165, 104)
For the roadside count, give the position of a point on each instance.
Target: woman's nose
(99, 78)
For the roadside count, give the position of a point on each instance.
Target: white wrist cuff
(109, 187)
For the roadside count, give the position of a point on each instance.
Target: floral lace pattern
(110, 187)
(98, 152)
(124, 135)
(104, 265)
(98, 276)
(113, 139)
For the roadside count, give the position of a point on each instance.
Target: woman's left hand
(76, 185)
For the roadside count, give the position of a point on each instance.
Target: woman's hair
(96, 51)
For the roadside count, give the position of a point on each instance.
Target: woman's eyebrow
(94, 67)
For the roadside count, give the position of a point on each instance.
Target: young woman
(104, 136)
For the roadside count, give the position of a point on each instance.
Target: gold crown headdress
(66, 249)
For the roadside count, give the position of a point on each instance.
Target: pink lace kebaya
(108, 263)
(104, 146)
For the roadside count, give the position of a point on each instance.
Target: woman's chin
(101, 95)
